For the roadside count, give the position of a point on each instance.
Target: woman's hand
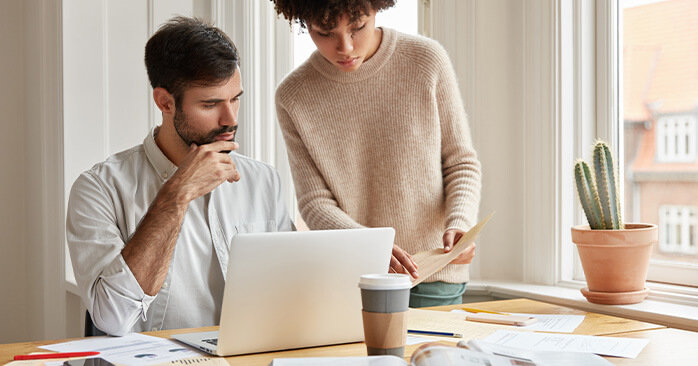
(451, 237)
(401, 262)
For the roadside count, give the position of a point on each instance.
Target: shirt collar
(163, 166)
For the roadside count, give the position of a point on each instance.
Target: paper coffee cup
(385, 293)
(385, 299)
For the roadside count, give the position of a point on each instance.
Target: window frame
(661, 275)
(574, 79)
(599, 59)
(566, 71)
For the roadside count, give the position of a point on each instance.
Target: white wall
(104, 80)
(14, 291)
(526, 83)
(33, 303)
(484, 40)
(498, 126)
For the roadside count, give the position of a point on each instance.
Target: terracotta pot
(615, 261)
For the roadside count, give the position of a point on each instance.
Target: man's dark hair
(326, 13)
(188, 51)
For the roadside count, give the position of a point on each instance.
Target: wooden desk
(593, 324)
(667, 345)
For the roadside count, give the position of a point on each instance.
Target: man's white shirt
(105, 207)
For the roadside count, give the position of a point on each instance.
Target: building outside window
(676, 139)
(677, 234)
(660, 109)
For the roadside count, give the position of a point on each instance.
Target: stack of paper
(607, 346)
(132, 349)
(547, 322)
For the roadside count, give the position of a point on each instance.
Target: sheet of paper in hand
(432, 261)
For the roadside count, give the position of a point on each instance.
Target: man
(149, 228)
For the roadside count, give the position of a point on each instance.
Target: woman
(377, 136)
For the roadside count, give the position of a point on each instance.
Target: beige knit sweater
(385, 145)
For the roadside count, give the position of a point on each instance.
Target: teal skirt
(436, 294)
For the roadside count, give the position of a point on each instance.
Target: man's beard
(185, 132)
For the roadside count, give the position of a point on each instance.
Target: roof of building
(660, 74)
(660, 58)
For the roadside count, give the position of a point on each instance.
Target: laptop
(287, 290)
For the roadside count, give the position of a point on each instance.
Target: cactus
(599, 193)
(588, 196)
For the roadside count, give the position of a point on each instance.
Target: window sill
(653, 310)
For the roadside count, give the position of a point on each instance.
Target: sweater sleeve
(316, 203)
(460, 165)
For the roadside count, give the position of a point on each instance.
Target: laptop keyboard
(213, 341)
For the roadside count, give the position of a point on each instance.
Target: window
(676, 139)
(677, 232)
(660, 102)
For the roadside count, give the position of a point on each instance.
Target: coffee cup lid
(387, 281)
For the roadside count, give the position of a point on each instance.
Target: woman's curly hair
(326, 13)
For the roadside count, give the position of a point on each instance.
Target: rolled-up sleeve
(107, 286)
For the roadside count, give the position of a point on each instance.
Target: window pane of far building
(402, 17)
(660, 113)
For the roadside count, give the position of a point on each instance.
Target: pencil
(472, 310)
(430, 332)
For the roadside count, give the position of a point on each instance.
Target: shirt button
(164, 175)
(164, 285)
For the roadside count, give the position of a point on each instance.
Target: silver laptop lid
(289, 290)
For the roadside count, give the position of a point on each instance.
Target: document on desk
(411, 340)
(444, 321)
(546, 322)
(606, 346)
(131, 349)
(340, 361)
